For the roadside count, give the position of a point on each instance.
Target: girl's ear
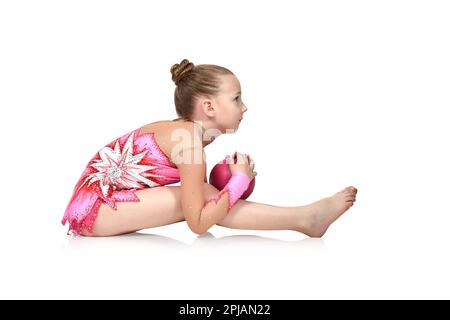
(208, 108)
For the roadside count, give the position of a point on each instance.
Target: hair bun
(179, 71)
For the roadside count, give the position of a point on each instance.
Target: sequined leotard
(132, 162)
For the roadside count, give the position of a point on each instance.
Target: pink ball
(220, 175)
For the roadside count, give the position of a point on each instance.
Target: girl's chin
(231, 129)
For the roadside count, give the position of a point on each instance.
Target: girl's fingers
(241, 157)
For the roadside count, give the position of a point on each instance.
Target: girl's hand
(241, 162)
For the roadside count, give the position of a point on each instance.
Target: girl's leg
(162, 205)
(157, 207)
(312, 219)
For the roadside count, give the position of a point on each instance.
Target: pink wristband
(235, 187)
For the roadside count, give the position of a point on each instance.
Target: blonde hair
(193, 81)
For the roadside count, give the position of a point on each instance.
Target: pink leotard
(132, 162)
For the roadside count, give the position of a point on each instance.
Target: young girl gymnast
(124, 189)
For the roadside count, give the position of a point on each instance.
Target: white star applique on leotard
(120, 169)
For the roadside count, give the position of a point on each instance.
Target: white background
(338, 93)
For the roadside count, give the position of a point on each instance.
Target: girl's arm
(200, 215)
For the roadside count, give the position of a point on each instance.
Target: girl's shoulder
(164, 133)
(165, 128)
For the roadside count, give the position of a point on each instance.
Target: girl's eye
(236, 98)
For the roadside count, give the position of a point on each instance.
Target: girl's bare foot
(317, 216)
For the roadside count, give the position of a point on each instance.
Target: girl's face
(229, 105)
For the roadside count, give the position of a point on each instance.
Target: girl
(123, 188)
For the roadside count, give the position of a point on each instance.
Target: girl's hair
(193, 81)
